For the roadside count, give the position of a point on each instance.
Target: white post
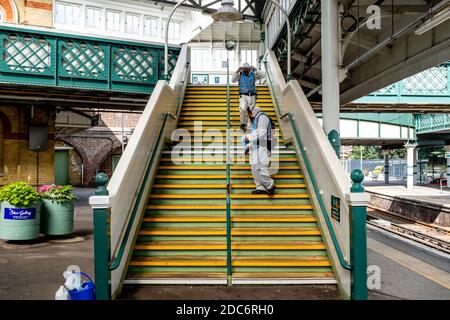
(386, 166)
(447, 150)
(330, 65)
(166, 41)
(410, 165)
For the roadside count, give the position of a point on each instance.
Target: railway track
(408, 232)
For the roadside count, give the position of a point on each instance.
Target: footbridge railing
(341, 207)
(44, 57)
(119, 208)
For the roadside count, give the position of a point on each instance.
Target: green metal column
(102, 250)
(358, 241)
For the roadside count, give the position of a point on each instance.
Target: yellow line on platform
(420, 267)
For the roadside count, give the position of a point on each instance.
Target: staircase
(275, 239)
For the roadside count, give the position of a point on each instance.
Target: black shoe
(243, 127)
(271, 191)
(257, 191)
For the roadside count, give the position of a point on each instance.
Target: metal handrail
(115, 263)
(340, 255)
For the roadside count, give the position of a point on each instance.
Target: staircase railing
(118, 209)
(228, 179)
(342, 206)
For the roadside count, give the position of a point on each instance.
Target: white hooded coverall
(260, 155)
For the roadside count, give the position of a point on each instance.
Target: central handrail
(115, 262)
(340, 255)
(228, 179)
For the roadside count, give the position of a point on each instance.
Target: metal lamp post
(166, 41)
(289, 36)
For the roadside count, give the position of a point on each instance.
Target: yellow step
(223, 176)
(220, 100)
(175, 275)
(178, 261)
(217, 114)
(213, 160)
(223, 186)
(234, 232)
(194, 261)
(209, 167)
(275, 232)
(233, 196)
(282, 275)
(239, 245)
(281, 261)
(223, 207)
(234, 218)
(183, 232)
(277, 245)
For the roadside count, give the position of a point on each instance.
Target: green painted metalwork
(228, 179)
(102, 250)
(426, 123)
(335, 141)
(358, 241)
(431, 86)
(56, 59)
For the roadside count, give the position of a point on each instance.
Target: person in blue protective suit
(259, 142)
(246, 76)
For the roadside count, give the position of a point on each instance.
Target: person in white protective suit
(247, 76)
(259, 143)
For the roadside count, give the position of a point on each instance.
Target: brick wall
(19, 163)
(96, 146)
(34, 12)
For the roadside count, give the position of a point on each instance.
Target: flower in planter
(57, 193)
(19, 194)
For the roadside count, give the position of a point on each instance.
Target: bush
(19, 194)
(57, 193)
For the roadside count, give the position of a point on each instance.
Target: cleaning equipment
(85, 291)
(61, 294)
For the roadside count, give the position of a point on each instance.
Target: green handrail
(228, 181)
(341, 258)
(115, 263)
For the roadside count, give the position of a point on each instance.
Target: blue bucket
(86, 292)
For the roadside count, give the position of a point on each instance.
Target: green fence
(432, 122)
(36, 57)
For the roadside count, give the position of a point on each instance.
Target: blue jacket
(247, 84)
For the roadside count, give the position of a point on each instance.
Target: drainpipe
(330, 72)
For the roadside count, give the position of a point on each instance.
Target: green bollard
(358, 237)
(102, 250)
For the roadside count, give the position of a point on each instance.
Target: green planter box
(19, 223)
(57, 217)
